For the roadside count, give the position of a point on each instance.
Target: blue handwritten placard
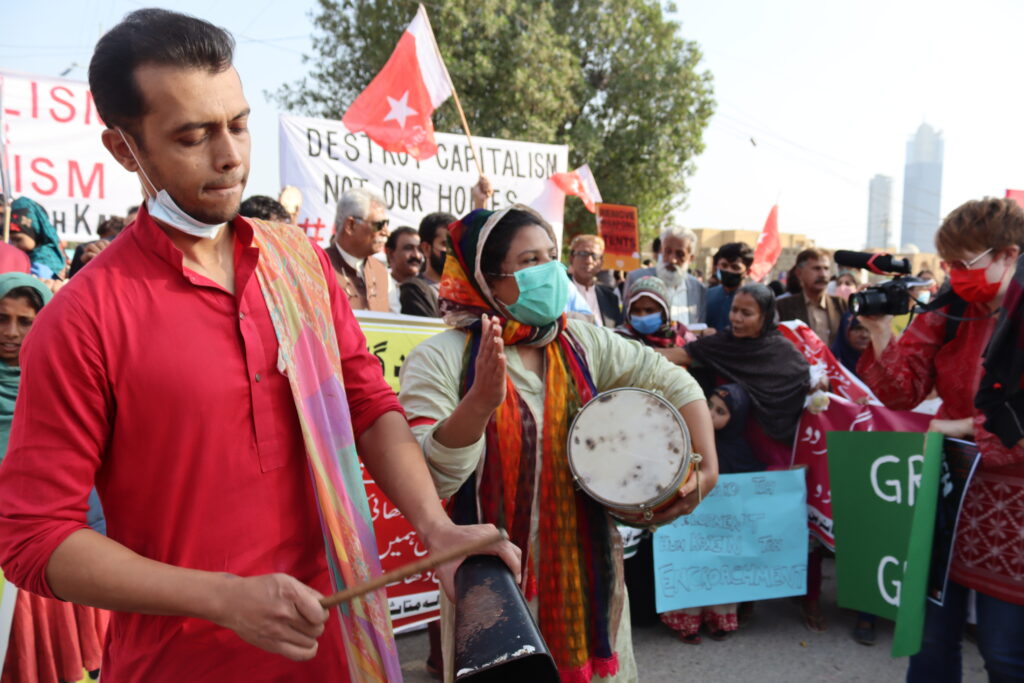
(746, 541)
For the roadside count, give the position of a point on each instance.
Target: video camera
(889, 298)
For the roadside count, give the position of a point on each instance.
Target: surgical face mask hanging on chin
(163, 208)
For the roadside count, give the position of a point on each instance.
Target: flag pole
(455, 93)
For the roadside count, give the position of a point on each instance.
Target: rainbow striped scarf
(296, 291)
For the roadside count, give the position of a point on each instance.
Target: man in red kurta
(155, 376)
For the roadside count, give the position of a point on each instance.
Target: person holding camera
(942, 349)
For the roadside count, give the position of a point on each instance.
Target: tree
(612, 79)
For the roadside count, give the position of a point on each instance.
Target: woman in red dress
(942, 350)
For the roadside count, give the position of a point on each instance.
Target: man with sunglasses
(360, 231)
(942, 350)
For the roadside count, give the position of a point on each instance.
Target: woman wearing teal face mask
(491, 402)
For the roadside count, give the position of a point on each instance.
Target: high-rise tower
(922, 188)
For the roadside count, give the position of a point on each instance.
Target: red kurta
(989, 551)
(163, 388)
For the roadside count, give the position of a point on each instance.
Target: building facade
(922, 189)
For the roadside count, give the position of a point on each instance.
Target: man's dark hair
(110, 227)
(432, 222)
(265, 208)
(392, 242)
(812, 254)
(734, 251)
(131, 210)
(150, 36)
(35, 300)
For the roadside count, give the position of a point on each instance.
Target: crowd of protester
(755, 381)
(487, 402)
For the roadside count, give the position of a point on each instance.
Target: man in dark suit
(811, 304)
(361, 229)
(586, 258)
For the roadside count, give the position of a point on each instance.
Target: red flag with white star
(768, 248)
(395, 109)
(580, 183)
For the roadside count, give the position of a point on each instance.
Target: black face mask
(729, 279)
(437, 261)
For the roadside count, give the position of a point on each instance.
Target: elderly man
(586, 258)
(812, 304)
(360, 231)
(687, 296)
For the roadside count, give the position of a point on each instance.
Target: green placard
(884, 492)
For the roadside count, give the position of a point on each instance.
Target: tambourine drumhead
(629, 449)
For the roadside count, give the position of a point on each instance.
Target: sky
(813, 98)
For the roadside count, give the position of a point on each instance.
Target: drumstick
(408, 570)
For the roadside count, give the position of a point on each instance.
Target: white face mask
(162, 207)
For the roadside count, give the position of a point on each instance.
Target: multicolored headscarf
(30, 217)
(296, 292)
(465, 296)
(580, 563)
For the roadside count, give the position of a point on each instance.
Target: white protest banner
(55, 156)
(323, 159)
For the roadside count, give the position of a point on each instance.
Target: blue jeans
(1000, 639)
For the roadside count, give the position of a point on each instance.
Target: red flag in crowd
(580, 183)
(395, 109)
(768, 247)
(1017, 196)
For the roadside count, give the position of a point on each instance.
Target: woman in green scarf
(33, 233)
(21, 297)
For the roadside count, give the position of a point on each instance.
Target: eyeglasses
(376, 225)
(966, 265)
(588, 254)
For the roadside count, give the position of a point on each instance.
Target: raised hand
(488, 390)
(481, 193)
